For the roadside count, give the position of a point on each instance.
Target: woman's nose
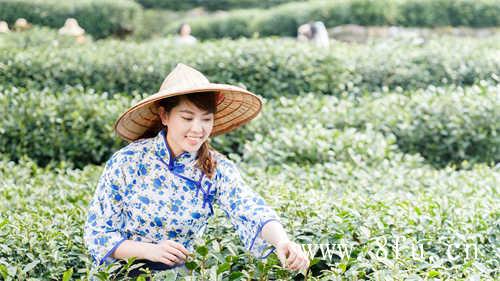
(197, 127)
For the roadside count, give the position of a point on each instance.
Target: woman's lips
(193, 140)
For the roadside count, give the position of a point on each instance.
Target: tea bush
(37, 36)
(445, 125)
(210, 5)
(75, 126)
(99, 18)
(271, 67)
(283, 20)
(378, 213)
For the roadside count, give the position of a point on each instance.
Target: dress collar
(163, 151)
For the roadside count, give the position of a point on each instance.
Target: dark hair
(314, 29)
(204, 101)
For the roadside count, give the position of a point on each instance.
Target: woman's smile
(193, 140)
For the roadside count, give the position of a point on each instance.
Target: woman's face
(188, 126)
(185, 30)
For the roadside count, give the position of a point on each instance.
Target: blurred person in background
(314, 32)
(4, 27)
(72, 28)
(184, 36)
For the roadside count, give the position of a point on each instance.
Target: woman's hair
(204, 101)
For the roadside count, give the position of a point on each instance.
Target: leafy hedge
(368, 210)
(443, 126)
(269, 67)
(72, 126)
(284, 20)
(446, 126)
(35, 37)
(210, 5)
(99, 18)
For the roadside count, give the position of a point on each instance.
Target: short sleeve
(246, 209)
(104, 224)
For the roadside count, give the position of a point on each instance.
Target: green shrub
(210, 5)
(99, 18)
(151, 23)
(443, 126)
(35, 37)
(444, 12)
(369, 210)
(73, 126)
(283, 20)
(311, 142)
(268, 67)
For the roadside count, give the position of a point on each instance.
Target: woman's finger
(292, 256)
(302, 266)
(180, 247)
(296, 263)
(172, 257)
(178, 254)
(166, 261)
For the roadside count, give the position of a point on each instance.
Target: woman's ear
(163, 115)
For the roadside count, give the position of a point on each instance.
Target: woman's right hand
(168, 252)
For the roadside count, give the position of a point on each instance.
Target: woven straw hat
(235, 106)
(22, 24)
(4, 27)
(71, 28)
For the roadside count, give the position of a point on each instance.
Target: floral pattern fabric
(145, 194)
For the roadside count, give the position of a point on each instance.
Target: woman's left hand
(292, 256)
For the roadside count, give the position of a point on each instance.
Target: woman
(156, 194)
(184, 36)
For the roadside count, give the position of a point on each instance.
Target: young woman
(156, 194)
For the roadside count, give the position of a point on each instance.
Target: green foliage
(369, 210)
(37, 36)
(99, 18)
(444, 125)
(210, 5)
(269, 67)
(72, 126)
(283, 20)
(455, 13)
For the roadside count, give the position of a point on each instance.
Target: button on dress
(145, 194)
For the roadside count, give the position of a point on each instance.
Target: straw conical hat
(71, 28)
(22, 24)
(4, 27)
(235, 106)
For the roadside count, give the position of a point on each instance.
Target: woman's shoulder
(225, 166)
(132, 152)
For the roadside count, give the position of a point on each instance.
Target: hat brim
(237, 108)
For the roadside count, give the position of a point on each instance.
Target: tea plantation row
(400, 219)
(269, 67)
(445, 125)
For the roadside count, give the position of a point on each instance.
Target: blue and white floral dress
(145, 194)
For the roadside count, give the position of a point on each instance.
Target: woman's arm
(131, 248)
(167, 251)
(290, 253)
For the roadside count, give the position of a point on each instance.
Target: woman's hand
(168, 252)
(292, 256)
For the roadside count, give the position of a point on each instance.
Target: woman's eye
(207, 120)
(188, 119)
